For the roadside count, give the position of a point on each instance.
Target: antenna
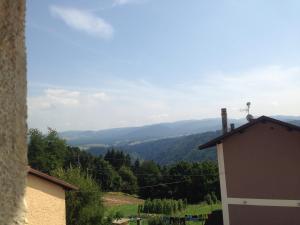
(249, 117)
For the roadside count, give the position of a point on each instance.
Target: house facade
(45, 199)
(259, 173)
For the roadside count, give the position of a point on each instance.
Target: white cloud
(263, 86)
(53, 98)
(272, 90)
(83, 21)
(125, 2)
(100, 96)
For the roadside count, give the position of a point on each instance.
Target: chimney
(224, 120)
(231, 126)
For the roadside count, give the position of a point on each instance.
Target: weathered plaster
(45, 202)
(13, 112)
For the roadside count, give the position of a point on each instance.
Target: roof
(262, 119)
(52, 179)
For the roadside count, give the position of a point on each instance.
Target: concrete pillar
(13, 112)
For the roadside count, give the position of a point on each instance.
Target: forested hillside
(117, 171)
(296, 122)
(164, 143)
(169, 150)
(129, 135)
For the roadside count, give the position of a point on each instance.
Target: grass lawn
(127, 210)
(117, 201)
(128, 206)
(198, 209)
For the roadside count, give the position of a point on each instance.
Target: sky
(98, 64)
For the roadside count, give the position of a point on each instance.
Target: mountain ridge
(171, 150)
(127, 135)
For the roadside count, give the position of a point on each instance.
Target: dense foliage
(157, 221)
(169, 150)
(163, 206)
(211, 198)
(117, 171)
(83, 206)
(183, 180)
(46, 152)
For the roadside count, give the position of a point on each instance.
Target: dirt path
(120, 199)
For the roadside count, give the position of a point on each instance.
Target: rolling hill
(169, 150)
(164, 143)
(129, 135)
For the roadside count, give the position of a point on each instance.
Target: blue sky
(96, 64)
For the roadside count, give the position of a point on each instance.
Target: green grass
(127, 210)
(131, 209)
(198, 209)
(128, 205)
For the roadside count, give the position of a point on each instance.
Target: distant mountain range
(296, 122)
(131, 135)
(168, 150)
(164, 143)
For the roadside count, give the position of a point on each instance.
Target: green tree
(214, 198)
(136, 165)
(46, 152)
(84, 207)
(129, 180)
(157, 221)
(149, 175)
(119, 215)
(106, 176)
(117, 158)
(180, 204)
(208, 199)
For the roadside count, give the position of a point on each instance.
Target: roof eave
(52, 179)
(240, 129)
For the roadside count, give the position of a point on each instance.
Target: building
(259, 166)
(45, 199)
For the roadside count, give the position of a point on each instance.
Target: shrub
(157, 221)
(119, 215)
(83, 206)
(208, 199)
(184, 203)
(162, 206)
(214, 198)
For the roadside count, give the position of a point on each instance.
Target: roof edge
(219, 139)
(52, 179)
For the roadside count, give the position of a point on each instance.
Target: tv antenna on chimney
(249, 117)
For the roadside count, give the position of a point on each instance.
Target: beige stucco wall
(13, 147)
(45, 202)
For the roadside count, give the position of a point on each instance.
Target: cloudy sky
(96, 64)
